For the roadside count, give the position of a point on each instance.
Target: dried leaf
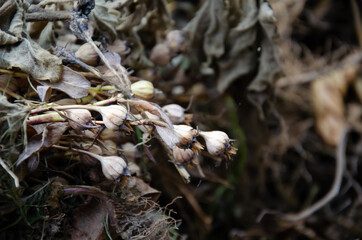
(229, 34)
(44, 93)
(241, 59)
(269, 65)
(32, 59)
(142, 188)
(47, 39)
(208, 29)
(51, 135)
(105, 20)
(327, 94)
(11, 22)
(72, 83)
(88, 221)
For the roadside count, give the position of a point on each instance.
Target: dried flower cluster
(90, 102)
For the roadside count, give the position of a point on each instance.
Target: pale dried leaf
(47, 38)
(72, 83)
(32, 59)
(44, 93)
(104, 20)
(50, 136)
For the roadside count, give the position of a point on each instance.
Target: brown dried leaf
(72, 83)
(88, 221)
(11, 23)
(327, 94)
(142, 188)
(51, 135)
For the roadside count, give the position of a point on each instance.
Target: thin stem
(50, 16)
(123, 81)
(96, 156)
(11, 173)
(340, 166)
(357, 21)
(45, 118)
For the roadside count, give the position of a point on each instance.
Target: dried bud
(78, 118)
(160, 54)
(143, 89)
(176, 41)
(183, 156)
(87, 54)
(175, 112)
(113, 116)
(218, 142)
(113, 167)
(188, 137)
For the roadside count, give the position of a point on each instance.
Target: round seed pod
(87, 54)
(161, 54)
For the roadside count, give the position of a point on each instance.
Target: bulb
(218, 142)
(143, 89)
(87, 54)
(78, 118)
(183, 156)
(175, 112)
(113, 116)
(187, 137)
(113, 167)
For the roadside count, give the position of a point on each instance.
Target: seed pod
(187, 137)
(183, 156)
(113, 167)
(78, 118)
(129, 150)
(113, 116)
(160, 54)
(217, 143)
(87, 54)
(175, 112)
(143, 89)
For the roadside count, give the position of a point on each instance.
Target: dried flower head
(183, 156)
(78, 118)
(143, 89)
(175, 112)
(218, 142)
(114, 116)
(188, 137)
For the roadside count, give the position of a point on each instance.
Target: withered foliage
(155, 119)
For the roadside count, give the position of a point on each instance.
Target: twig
(51, 16)
(7, 169)
(311, 76)
(340, 166)
(357, 21)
